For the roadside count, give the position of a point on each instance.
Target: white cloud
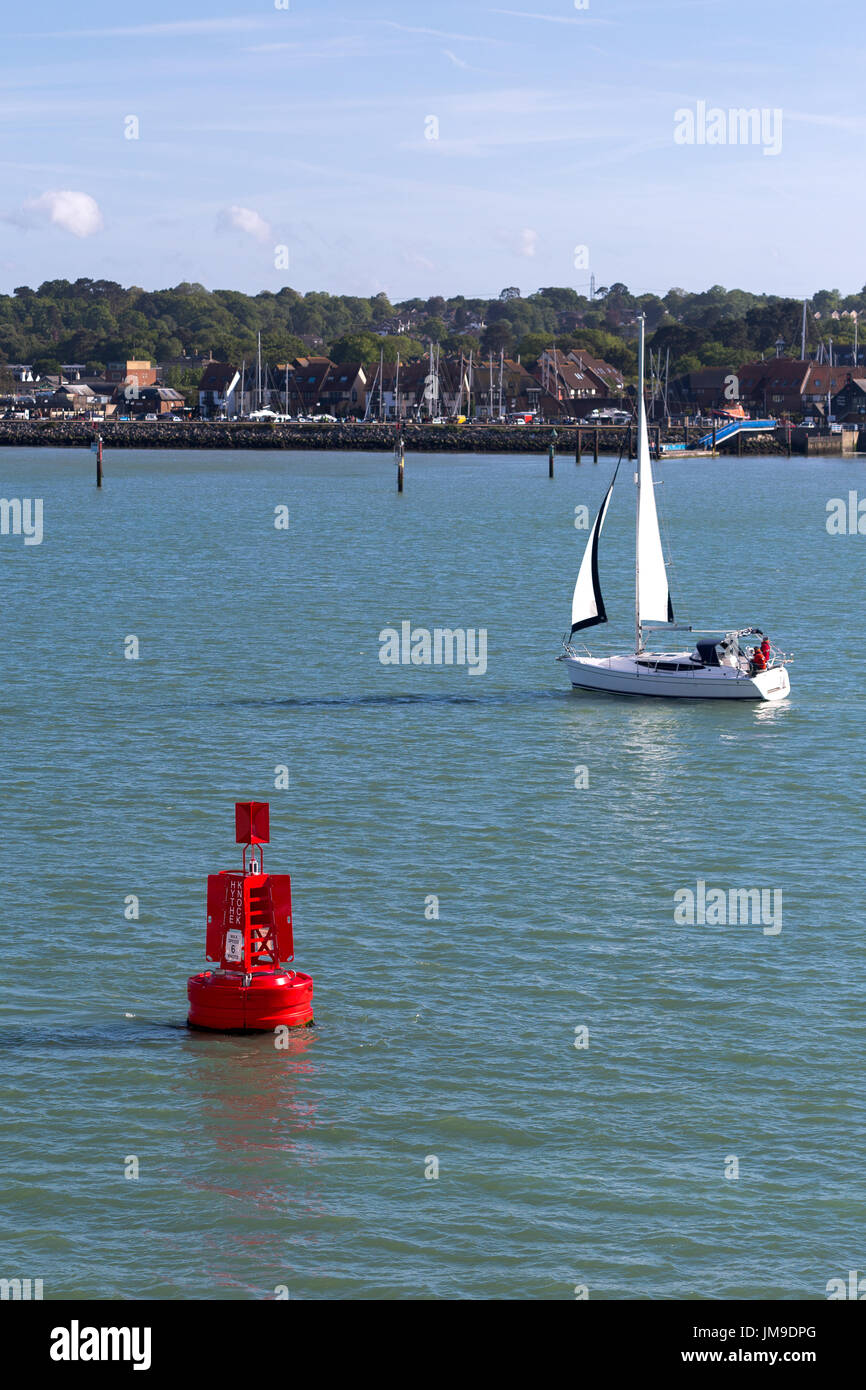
(524, 244)
(527, 242)
(77, 213)
(245, 220)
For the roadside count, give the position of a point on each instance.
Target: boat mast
(638, 635)
(803, 335)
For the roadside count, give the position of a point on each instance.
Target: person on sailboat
(765, 649)
(759, 661)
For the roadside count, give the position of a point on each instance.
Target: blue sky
(307, 128)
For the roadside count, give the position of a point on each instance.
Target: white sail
(653, 597)
(587, 605)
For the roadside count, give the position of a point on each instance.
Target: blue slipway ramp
(736, 427)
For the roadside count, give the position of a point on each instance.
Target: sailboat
(719, 666)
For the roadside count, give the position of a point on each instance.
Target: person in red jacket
(765, 649)
(759, 661)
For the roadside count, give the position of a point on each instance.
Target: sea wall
(481, 439)
(371, 437)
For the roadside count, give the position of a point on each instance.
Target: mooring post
(714, 439)
(551, 455)
(577, 447)
(97, 445)
(595, 445)
(400, 451)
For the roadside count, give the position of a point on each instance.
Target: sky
(447, 148)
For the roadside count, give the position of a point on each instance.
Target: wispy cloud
(245, 220)
(227, 24)
(440, 33)
(553, 18)
(343, 46)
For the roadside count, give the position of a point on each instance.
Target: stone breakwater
(481, 439)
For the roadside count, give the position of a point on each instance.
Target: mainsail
(587, 605)
(653, 598)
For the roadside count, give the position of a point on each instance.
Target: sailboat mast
(638, 635)
(803, 335)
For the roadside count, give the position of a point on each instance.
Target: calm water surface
(454, 1038)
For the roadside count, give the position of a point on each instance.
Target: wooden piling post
(97, 447)
(551, 455)
(577, 456)
(714, 439)
(658, 441)
(595, 445)
(400, 451)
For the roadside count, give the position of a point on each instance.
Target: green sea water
(438, 1133)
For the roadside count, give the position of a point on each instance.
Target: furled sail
(587, 605)
(653, 596)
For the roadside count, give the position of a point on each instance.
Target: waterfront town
(552, 357)
(565, 387)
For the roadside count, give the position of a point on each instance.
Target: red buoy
(249, 932)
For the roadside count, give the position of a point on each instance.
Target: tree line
(95, 322)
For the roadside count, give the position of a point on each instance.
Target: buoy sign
(234, 945)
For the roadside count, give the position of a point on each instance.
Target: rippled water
(454, 1038)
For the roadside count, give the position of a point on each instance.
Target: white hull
(628, 675)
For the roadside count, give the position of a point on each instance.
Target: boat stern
(773, 684)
